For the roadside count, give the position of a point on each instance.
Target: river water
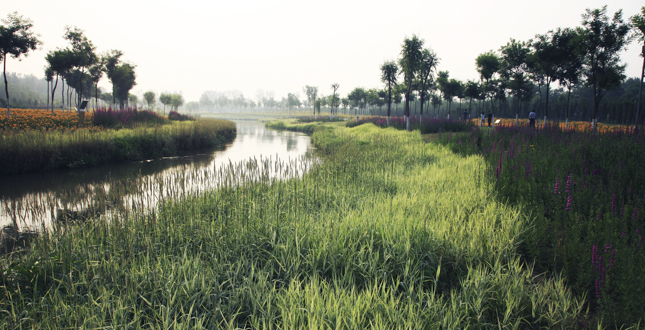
(34, 200)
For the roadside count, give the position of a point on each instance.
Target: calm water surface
(35, 200)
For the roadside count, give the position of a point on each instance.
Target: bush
(174, 115)
(126, 118)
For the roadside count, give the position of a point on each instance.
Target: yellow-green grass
(386, 232)
(34, 150)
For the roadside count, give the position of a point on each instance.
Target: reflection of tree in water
(292, 142)
(15, 187)
(85, 193)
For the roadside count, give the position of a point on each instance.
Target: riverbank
(37, 150)
(387, 231)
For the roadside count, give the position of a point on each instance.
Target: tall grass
(425, 125)
(587, 194)
(386, 232)
(34, 150)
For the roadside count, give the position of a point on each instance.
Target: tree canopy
(16, 39)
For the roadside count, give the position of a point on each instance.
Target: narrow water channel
(34, 200)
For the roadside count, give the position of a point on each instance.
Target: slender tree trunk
(640, 89)
(54, 92)
(62, 94)
(6, 86)
(48, 82)
(389, 103)
(546, 109)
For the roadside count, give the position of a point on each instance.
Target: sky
(192, 46)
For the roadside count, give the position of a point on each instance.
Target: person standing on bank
(532, 119)
(490, 118)
(465, 114)
(483, 119)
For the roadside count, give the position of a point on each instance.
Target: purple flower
(557, 185)
(568, 203)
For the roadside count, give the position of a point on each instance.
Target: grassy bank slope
(387, 232)
(35, 150)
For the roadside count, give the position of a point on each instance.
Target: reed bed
(34, 150)
(386, 232)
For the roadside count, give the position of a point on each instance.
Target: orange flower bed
(40, 119)
(577, 126)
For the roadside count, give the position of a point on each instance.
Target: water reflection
(36, 200)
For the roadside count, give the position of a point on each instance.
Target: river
(33, 201)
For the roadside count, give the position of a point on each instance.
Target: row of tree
(78, 65)
(574, 57)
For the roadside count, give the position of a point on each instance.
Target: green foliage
(389, 72)
(411, 61)
(36, 150)
(385, 232)
(16, 39)
(604, 39)
(638, 22)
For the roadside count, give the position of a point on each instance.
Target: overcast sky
(191, 46)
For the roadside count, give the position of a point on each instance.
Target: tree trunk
(54, 93)
(62, 93)
(6, 86)
(640, 89)
(546, 109)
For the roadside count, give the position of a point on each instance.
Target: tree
(112, 60)
(293, 100)
(428, 66)
(638, 21)
(311, 93)
(487, 65)
(514, 67)
(435, 100)
(333, 104)
(345, 102)
(176, 100)
(389, 71)
(149, 96)
(471, 91)
(449, 88)
(604, 39)
(49, 77)
(60, 62)
(16, 39)
(96, 73)
(549, 56)
(84, 56)
(123, 79)
(165, 99)
(570, 47)
(206, 103)
(355, 97)
(410, 62)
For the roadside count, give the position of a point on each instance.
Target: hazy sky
(281, 45)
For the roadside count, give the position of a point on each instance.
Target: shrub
(126, 118)
(174, 115)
